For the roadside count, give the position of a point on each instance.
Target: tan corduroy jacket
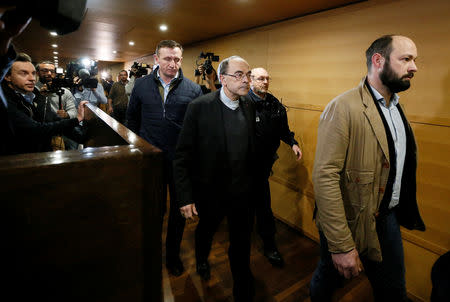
(351, 171)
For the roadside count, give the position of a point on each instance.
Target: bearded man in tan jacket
(365, 177)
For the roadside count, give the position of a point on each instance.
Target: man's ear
(378, 60)
(8, 78)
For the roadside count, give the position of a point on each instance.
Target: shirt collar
(161, 80)
(233, 105)
(379, 97)
(29, 97)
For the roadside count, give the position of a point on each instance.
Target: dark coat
(201, 168)
(34, 124)
(271, 127)
(156, 121)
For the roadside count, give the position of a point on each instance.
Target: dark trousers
(120, 114)
(175, 227)
(265, 222)
(239, 213)
(387, 277)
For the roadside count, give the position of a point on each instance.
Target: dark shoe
(274, 257)
(175, 267)
(204, 270)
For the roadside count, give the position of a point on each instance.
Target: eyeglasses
(261, 79)
(47, 70)
(239, 75)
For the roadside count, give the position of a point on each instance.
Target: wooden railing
(84, 225)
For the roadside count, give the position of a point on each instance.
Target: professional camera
(141, 69)
(58, 83)
(205, 60)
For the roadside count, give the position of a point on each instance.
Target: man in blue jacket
(156, 111)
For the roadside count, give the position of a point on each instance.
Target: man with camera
(117, 98)
(136, 71)
(206, 74)
(61, 99)
(156, 112)
(271, 127)
(88, 88)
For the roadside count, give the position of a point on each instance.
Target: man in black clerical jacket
(214, 168)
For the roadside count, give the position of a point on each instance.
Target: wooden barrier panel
(84, 225)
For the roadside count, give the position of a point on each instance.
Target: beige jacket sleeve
(332, 147)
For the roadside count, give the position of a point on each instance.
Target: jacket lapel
(372, 115)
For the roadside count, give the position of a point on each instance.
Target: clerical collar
(233, 105)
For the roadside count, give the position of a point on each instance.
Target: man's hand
(189, 211)
(297, 151)
(109, 110)
(80, 115)
(348, 264)
(62, 113)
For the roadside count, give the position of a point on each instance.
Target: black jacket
(201, 169)
(271, 127)
(156, 121)
(33, 124)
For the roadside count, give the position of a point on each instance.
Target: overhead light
(55, 52)
(131, 43)
(163, 27)
(55, 57)
(114, 51)
(54, 45)
(53, 33)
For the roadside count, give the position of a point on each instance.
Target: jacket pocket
(358, 192)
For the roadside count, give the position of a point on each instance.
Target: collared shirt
(94, 97)
(233, 105)
(397, 128)
(166, 86)
(29, 97)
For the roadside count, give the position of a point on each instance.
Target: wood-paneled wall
(314, 58)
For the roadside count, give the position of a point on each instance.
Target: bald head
(260, 81)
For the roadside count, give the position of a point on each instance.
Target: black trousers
(265, 222)
(175, 227)
(239, 213)
(120, 114)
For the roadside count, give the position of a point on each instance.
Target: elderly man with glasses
(271, 127)
(214, 171)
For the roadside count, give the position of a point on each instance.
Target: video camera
(141, 69)
(75, 69)
(205, 60)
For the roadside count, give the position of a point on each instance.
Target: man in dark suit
(213, 171)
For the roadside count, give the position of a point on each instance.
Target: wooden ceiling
(110, 24)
